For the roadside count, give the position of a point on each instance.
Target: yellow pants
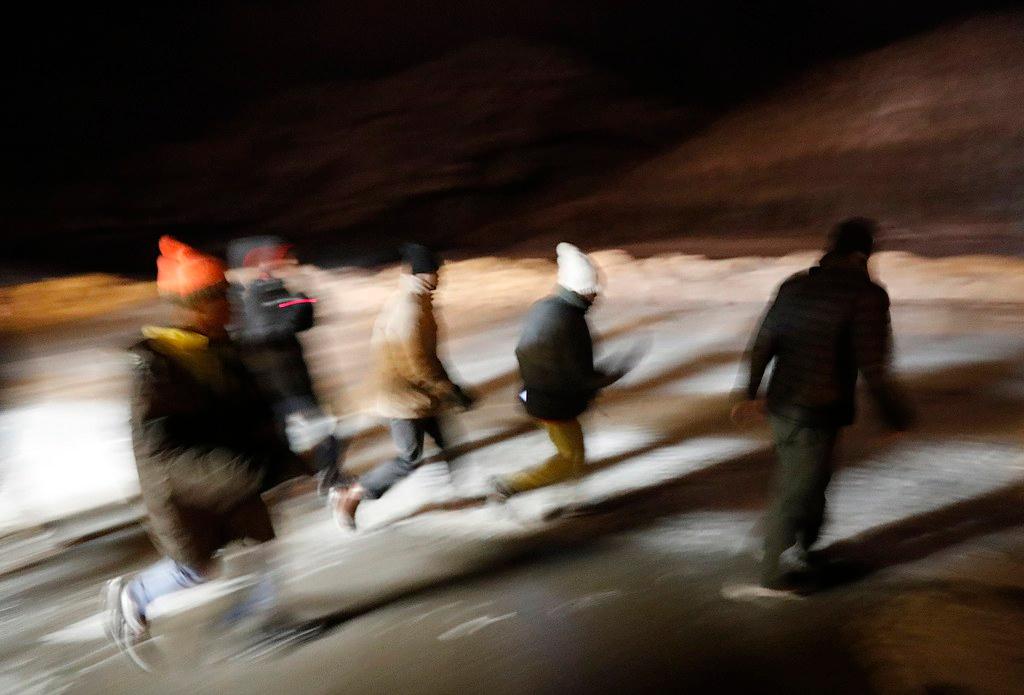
(567, 436)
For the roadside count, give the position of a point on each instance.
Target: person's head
(577, 272)
(195, 283)
(210, 314)
(266, 256)
(855, 235)
(422, 262)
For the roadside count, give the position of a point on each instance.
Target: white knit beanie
(576, 271)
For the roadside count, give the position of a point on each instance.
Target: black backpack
(265, 311)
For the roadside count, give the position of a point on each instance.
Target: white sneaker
(123, 621)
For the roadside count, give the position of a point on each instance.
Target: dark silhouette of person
(826, 326)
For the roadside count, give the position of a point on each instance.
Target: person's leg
(408, 438)
(797, 510)
(567, 462)
(781, 518)
(821, 448)
(432, 426)
(165, 577)
(328, 458)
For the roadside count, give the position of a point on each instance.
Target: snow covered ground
(668, 470)
(66, 445)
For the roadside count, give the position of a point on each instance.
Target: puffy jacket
(556, 358)
(266, 320)
(205, 445)
(826, 325)
(265, 310)
(410, 380)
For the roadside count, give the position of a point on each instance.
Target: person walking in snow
(204, 439)
(412, 385)
(556, 362)
(825, 326)
(267, 318)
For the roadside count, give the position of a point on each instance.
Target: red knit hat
(185, 274)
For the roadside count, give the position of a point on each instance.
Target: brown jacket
(205, 446)
(409, 379)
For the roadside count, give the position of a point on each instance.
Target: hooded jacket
(556, 358)
(205, 445)
(410, 380)
(825, 326)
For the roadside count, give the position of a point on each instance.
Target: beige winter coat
(410, 381)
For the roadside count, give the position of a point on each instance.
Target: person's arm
(872, 348)
(576, 347)
(762, 351)
(195, 473)
(419, 361)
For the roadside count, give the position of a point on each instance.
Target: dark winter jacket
(826, 325)
(205, 445)
(266, 320)
(556, 358)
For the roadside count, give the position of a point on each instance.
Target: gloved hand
(464, 399)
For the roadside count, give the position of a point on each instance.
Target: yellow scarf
(192, 351)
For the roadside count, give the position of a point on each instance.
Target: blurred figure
(204, 440)
(413, 387)
(556, 362)
(267, 318)
(825, 325)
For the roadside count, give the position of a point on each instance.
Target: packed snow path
(932, 517)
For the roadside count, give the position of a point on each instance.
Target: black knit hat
(855, 235)
(420, 258)
(247, 251)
